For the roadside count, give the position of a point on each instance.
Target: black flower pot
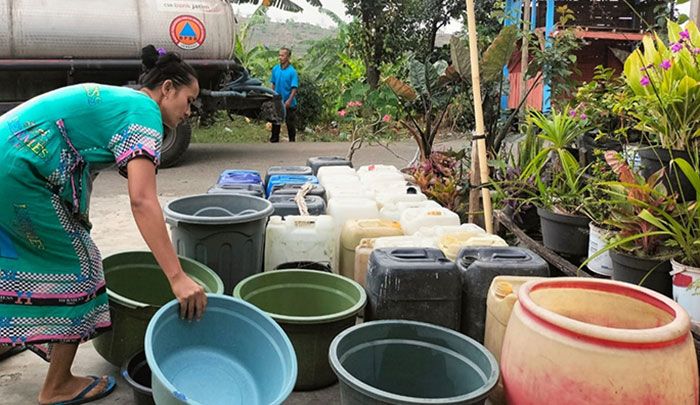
(566, 234)
(654, 158)
(633, 269)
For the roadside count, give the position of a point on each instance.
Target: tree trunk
(372, 75)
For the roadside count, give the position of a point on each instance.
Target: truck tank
(108, 29)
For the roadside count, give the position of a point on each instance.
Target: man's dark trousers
(291, 127)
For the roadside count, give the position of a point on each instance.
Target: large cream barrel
(108, 29)
(582, 341)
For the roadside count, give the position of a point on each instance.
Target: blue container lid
(278, 179)
(239, 177)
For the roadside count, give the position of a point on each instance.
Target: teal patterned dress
(52, 286)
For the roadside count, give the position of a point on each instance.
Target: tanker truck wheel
(175, 143)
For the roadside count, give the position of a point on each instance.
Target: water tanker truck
(47, 44)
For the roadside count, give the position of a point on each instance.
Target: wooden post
(524, 53)
(695, 11)
(480, 134)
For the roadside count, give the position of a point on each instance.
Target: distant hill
(298, 36)
(294, 35)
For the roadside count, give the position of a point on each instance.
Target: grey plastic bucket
(226, 232)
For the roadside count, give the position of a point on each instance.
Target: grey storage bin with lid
(478, 267)
(318, 162)
(226, 232)
(417, 284)
(284, 204)
(287, 170)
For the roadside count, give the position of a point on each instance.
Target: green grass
(241, 130)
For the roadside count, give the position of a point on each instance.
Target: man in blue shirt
(285, 81)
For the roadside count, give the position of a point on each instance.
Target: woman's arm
(149, 219)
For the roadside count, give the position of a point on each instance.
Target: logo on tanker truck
(187, 32)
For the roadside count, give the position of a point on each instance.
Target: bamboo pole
(480, 142)
(523, 53)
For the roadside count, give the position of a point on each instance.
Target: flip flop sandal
(81, 399)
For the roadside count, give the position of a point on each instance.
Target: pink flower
(676, 47)
(684, 34)
(386, 118)
(572, 113)
(354, 104)
(696, 51)
(342, 113)
(358, 103)
(666, 64)
(583, 116)
(645, 81)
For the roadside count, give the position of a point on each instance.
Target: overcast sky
(313, 16)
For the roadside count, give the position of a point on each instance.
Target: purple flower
(583, 116)
(676, 47)
(645, 81)
(572, 113)
(161, 51)
(684, 34)
(666, 64)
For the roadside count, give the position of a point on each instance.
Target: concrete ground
(21, 376)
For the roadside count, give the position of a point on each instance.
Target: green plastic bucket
(407, 362)
(312, 307)
(137, 288)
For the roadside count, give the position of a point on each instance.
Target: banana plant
(431, 87)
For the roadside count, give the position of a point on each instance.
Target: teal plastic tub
(312, 307)
(235, 355)
(137, 288)
(407, 362)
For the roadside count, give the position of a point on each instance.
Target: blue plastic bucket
(236, 354)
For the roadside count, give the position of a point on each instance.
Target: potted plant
(638, 249)
(683, 236)
(597, 208)
(602, 103)
(514, 193)
(665, 81)
(558, 178)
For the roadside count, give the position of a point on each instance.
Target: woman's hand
(190, 295)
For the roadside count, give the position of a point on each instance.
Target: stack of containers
(277, 180)
(246, 182)
(288, 170)
(285, 204)
(354, 231)
(367, 246)
(292, 189)
(318, 162)
(451, 239)
(299, 239)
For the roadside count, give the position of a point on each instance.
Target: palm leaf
(286, 5)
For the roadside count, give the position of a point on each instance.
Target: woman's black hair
(158, 68)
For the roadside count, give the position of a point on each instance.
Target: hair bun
(149, 56)
(167, 59)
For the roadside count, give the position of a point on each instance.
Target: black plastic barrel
(285, 204)
(478, 267)
(318, 162)
(414, 284)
